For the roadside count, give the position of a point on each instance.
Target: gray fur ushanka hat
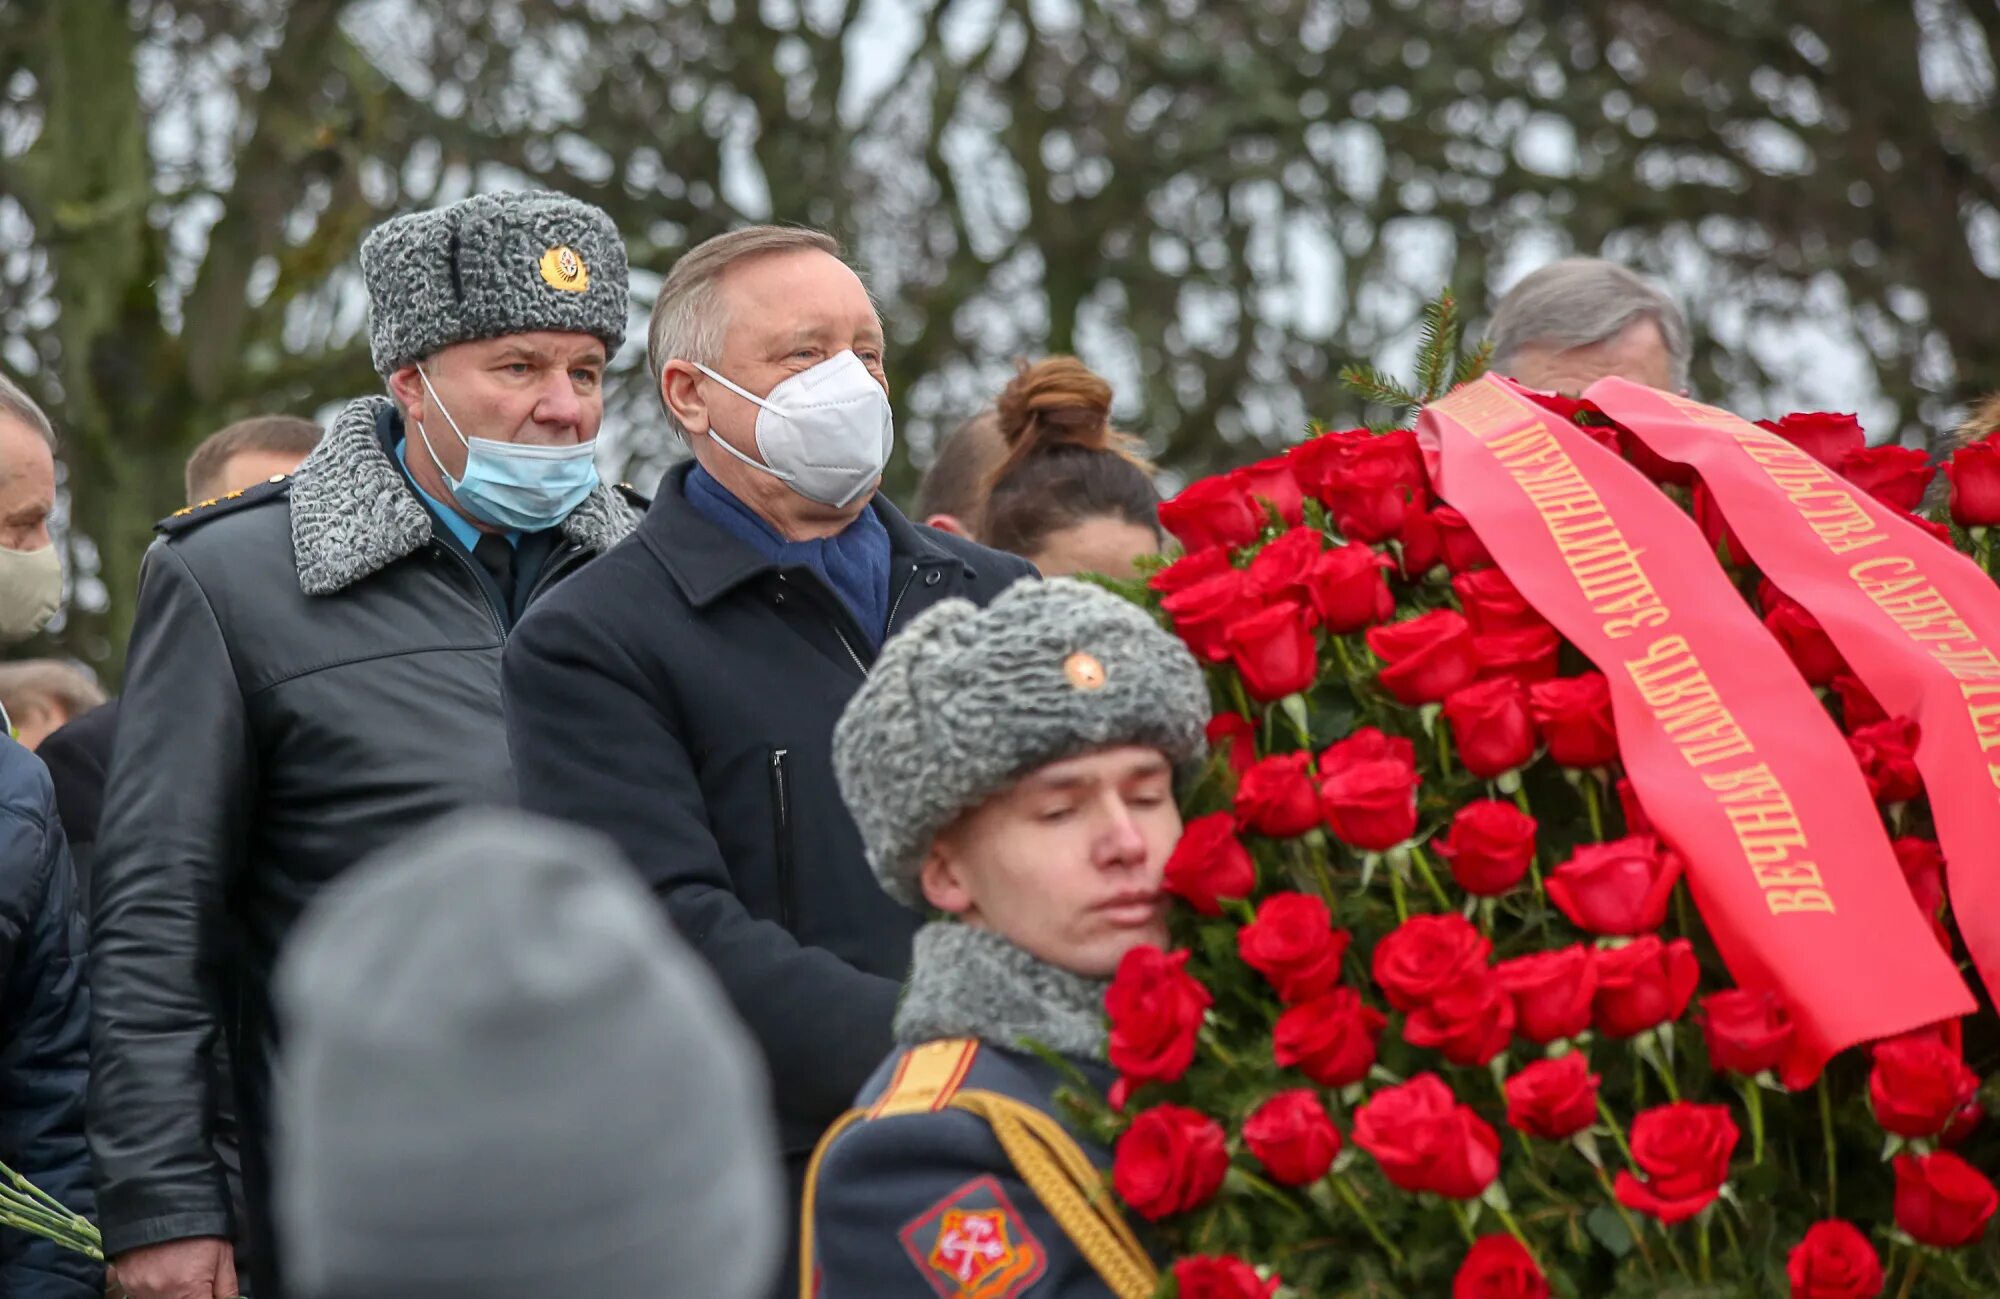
(489, 265)
(965, 701)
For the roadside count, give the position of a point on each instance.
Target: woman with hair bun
(1070, 493)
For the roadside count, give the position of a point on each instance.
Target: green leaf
(1608, 1229)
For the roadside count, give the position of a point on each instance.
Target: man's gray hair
(1581, 301)
(15, 401)
(689, 322)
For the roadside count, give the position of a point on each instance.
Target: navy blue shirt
(853, 563)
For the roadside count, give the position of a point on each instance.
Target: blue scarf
(853, 563)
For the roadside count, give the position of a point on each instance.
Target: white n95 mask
(825, 432)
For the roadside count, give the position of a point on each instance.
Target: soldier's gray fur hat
(489, 265)
(966, 701)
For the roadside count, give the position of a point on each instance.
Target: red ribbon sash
(1735, 761)
(1917, 621)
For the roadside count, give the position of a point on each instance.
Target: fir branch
(1437, 351)
(1473, 364)
(1371, 385)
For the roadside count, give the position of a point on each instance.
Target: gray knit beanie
(965, 701)
(503, 1077)
(492, 264)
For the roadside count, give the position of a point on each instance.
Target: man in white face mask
(708, 663)
(44, 1004)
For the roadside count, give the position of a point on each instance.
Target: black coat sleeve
(175, 818)
(823, 1025)
(44, 1038)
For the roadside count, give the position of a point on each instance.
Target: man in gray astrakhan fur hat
(315, 671)
(1013, 768)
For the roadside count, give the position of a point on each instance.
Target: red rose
(1209, 864)
(1172, 1159)
(1825, 437)
(1810, 648)
(1684, 1150)
(1834, 1261)
(1275, 650)
(1644, 984)
(1490, 846)
(1330, 1039)
(1887, 752)
(1974, 474)
(1347, 588)
(1213, 512)
(1426, 1141)
(1923, 870)
(1155, 1007)
(1499, 1267)
(1528, 655)
(1364, 478)
(1197, 566)
(1224, 1277)
(1492, 603)
(1427, 956)
(1721, 538)
(1368, 790)
(1422, 547)
(1858, 707)
(1938, 531)
(1617, 888)
(1918, 1086)
(1574, 715)
(1425, 658)
(1748, 1032)
(1636, 820)
(1292, 1137)
(1553, 992)
(1553, 1099)
(1293, 943)
(1279, 570)
(1203, 612)
(1940, 1199)
(1897, 476)
(1470, 1022)
(1272, 482)
(1276, 797)
(1463, 550)
(1236, 736)
(1490, 724)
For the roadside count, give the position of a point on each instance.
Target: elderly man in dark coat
(44, 1002)
(681, 694)
(316, 672)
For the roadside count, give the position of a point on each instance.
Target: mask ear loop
(758, 402)
(423, 433)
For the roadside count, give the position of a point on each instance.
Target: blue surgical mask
(512, 485)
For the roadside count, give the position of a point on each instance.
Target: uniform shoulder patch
(974, 1244)
(228, 503)
(927, 1077)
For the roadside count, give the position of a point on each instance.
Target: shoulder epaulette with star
(228, 503)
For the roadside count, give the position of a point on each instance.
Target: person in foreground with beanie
(315, 672)
(504, 1077)
(1014, 769)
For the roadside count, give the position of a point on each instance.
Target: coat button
(933, 577)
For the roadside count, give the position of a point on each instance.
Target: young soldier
(1014, 769)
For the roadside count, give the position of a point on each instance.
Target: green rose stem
(1910, 1274)
(1753, 1101)
(1423, 862)
(1444, 749)
(1701, 1248)
(1826, 1133)
(1617, 1133)
(1587, 783)
(1647, 1045)
(1346, 1193)
(1535, 858)
(1339, 644)
(1396, 889)
(1458, 1215)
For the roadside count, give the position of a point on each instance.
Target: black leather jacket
(313, 674)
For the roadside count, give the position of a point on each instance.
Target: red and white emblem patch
(973, 1244)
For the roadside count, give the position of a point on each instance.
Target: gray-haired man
(1582, 319)
(316, 671)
